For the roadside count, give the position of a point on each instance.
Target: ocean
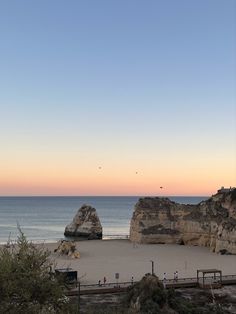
(44, 218)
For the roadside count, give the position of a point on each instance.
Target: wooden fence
(115, 287)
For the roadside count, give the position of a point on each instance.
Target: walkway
(116, 287)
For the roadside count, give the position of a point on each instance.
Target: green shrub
(26, 283)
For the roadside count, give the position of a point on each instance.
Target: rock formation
(211, 223)
(67, 248)
(149, 296)
(85, 224)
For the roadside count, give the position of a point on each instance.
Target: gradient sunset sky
(117, 97)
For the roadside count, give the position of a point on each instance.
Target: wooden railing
(112, 287)
(167, 281)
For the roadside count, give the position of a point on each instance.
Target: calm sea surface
(45, 218)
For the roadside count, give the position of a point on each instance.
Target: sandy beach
(107, 257)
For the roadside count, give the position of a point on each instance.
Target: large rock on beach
(67, 248)
(85, 224)
(211, 223)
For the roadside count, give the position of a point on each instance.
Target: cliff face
(85, 224)
(211, 223)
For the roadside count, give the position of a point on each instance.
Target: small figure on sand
(99, 283)
(164, 280)
(132, 280)
(104, 280)
(176, 276)
(164, 277)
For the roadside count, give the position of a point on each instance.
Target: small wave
(115, 236)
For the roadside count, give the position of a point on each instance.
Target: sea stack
(86, 224)
(211, 223)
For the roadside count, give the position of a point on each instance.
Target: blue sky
(122, 77)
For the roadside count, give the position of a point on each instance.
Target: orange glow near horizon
(110, 184)
(45, 174)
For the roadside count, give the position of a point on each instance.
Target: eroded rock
(67, 248)
(211, 223)
(85, 224)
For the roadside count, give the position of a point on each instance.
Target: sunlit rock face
(211, 223)
(85, 224)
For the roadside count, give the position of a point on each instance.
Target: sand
(101, 258)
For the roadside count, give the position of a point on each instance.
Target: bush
(149, 297)
(27, 284)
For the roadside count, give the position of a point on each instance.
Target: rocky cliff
(85, 224)
(211, 223)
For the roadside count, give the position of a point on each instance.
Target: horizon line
(146, 195)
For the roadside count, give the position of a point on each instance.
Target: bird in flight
(161, 187)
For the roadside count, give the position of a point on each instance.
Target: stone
(86, 224)
(211, 223)
(67, 248)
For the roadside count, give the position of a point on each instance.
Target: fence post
(152, 267)
(78, 304)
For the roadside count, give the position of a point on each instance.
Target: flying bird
(161, 187)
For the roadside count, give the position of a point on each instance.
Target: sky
(117, 97)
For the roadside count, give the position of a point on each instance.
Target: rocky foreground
(149, 296)
(211, 223)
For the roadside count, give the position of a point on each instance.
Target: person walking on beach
(164, 280)
(132, 280)
(99, 283)
(104, 280)
(176, 276)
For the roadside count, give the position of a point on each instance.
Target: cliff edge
(211, 223)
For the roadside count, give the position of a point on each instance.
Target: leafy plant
(27, 284)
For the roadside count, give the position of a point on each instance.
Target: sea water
(44, 218)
